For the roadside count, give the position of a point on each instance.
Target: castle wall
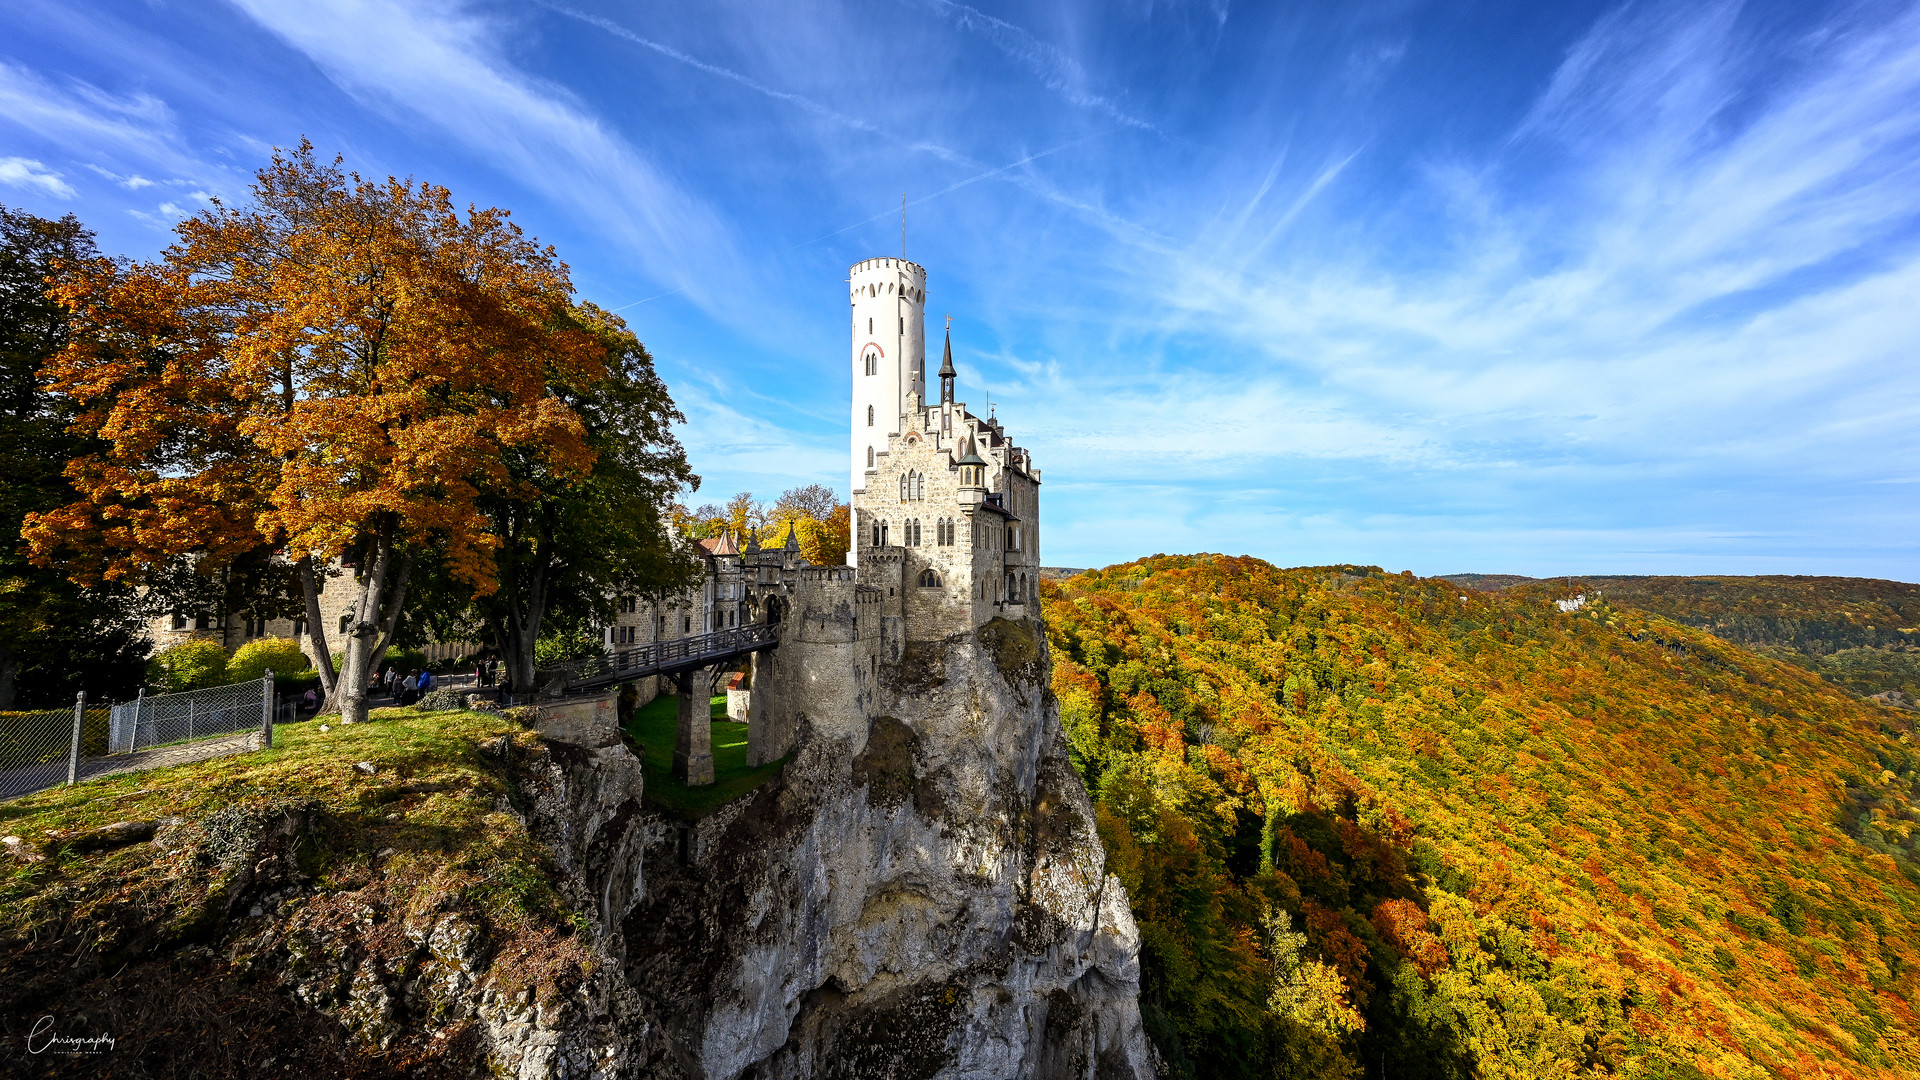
(818, 682)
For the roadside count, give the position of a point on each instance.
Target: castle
(946, 538)
(946, 531)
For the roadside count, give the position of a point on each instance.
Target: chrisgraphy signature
(41, 1041)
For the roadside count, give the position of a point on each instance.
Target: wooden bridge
(675, 657)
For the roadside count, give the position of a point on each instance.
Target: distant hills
(1378, 825)
(1860, 633)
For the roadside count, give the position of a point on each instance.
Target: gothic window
(876, 534)
(919, 485)
(869, 457)
(869, 416)
(929, 579)
(869, 326)
(905, 487)
(883, 534)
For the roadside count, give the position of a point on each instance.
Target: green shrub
(256, 658)
(295, 683)
(189, 665)
(560, 646)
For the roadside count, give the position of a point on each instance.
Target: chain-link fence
(44, 748)
(175, 718)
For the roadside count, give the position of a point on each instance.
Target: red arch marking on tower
(874, 345)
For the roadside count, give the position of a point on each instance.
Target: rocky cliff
(924, 898)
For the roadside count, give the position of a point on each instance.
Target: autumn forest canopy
(1380, 825)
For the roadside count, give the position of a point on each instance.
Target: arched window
(905, 486)
(883, 534)
(919, 485)
(869, 416)
(929, 579)
(876, 534)
(869, 457)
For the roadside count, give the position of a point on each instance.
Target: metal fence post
(266, 710)
(79, 714)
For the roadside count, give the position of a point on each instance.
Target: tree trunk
(9, 675)
(361, 629)
(523, 630)
(317, 633)
(373, 621)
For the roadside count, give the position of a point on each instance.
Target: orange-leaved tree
(333, 370)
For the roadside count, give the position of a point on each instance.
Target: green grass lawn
(653, 727)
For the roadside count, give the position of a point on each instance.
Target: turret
(887, 304)
(973, 476)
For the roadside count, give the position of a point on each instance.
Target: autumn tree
(821, 523)
(341, 368)
(570, 547)
(55, 637)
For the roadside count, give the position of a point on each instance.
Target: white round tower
(888, 298)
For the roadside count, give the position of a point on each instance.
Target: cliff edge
(920, 896)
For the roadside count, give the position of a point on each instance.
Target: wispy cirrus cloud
(1634, 288)
(1056, 70)
(24, 173)
(444, 65)
(87, 121)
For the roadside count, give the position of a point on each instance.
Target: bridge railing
(657, 657)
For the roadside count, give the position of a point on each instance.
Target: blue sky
(1530, 288)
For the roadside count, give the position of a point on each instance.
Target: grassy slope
(1528, 842)
(427, 830)
(653, 726)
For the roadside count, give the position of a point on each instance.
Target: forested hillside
(1860, 633)
(1376, 825)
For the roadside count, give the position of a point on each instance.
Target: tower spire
(947, 373)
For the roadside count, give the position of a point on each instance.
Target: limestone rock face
(922, 898)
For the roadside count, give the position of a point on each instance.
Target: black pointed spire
(947, 373)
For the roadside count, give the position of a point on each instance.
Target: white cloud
(24, 173)
(442, 64)
(1598, 299)
(87, 120)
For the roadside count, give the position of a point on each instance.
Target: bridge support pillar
(693, 740)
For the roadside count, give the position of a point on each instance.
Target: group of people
(407, 687)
